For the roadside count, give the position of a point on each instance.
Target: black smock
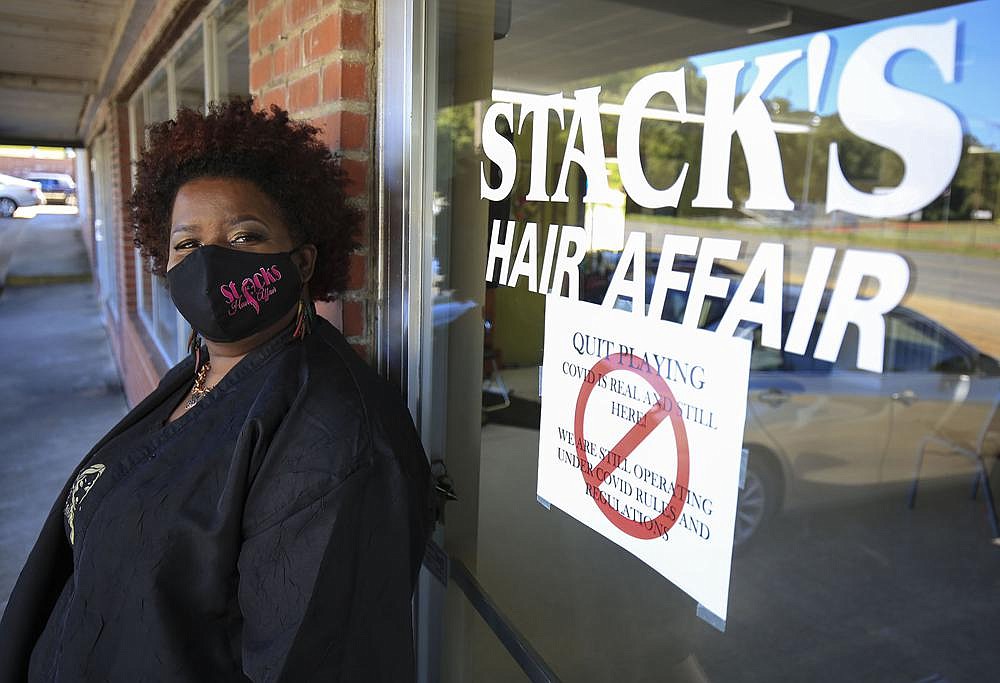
(273, 532)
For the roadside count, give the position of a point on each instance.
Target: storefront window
(105, 236)
(189, 67)
(232, 63)
(212, 58)
(797, 146)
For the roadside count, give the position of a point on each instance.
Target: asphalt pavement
(59, 385)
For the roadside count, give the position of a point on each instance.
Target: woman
(262, 514)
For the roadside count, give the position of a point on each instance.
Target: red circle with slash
(627, 444)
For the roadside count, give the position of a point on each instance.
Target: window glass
(189, 67)
(105, 235)
(230, 73)
(166, 317)
(763, 358)
(916, 346)
(811, 131)
(158, 100)
(144, 290)
(155, 306)
(232, 50)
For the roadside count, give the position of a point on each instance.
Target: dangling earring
(305, 315)
(194, 344)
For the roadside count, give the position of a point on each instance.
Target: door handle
(773, 397)
(907, 397)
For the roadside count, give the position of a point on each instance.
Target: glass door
(751, 124)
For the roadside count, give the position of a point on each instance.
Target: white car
(15, 192)
(58, 188)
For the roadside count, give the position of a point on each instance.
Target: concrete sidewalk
(59, 385)
(46, 249)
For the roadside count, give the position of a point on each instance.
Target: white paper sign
(641, 433)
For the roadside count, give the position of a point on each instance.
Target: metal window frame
(401, 246)
(406, 101)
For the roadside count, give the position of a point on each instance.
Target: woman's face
(233, 213)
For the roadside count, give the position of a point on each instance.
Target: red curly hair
(284, 158)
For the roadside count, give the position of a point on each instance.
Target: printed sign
(641, 436)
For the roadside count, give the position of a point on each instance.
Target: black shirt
(273, 532)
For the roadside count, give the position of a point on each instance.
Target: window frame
(150, 289)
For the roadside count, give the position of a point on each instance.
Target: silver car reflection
(826, 433)
(821, 432)
(17, 192)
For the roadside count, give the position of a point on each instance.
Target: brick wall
(22, 166)
(315, 58)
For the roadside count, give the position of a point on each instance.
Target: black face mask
(228, 294)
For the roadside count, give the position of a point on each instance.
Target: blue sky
(974, 95)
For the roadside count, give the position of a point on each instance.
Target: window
(550, 91)
(189, 71)
(105, 235)
(916, 346)
(210, 62)
(232, 62)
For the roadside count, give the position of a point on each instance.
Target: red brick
(323, 38)
(299, 11)
(279, 65)
(270, 27)
(304, 93)
(328, 134)
(354, 130)
(294, 53)
(260, 72)
(354, 318)
(276, 96)
(345, 81)
(357, 277)
(363, 237)
(357, 176)
(354, 28)
(355, 81)
(344, 130)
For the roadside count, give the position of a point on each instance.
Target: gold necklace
(199, 389)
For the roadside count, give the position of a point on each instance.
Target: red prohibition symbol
(628, 443)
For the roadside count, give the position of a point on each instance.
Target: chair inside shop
(977, 452)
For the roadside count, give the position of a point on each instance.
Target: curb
(33, 280)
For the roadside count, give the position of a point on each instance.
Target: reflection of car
(15, 192)
(824, 432)
(819, 431)
(58, 188)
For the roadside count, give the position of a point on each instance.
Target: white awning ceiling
(59, 59)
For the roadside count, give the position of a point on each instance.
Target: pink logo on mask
(252, 291)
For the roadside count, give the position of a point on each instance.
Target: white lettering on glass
(751, 122)
(500, 150)
(629, 128)
(924, 132)
(846, 305)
